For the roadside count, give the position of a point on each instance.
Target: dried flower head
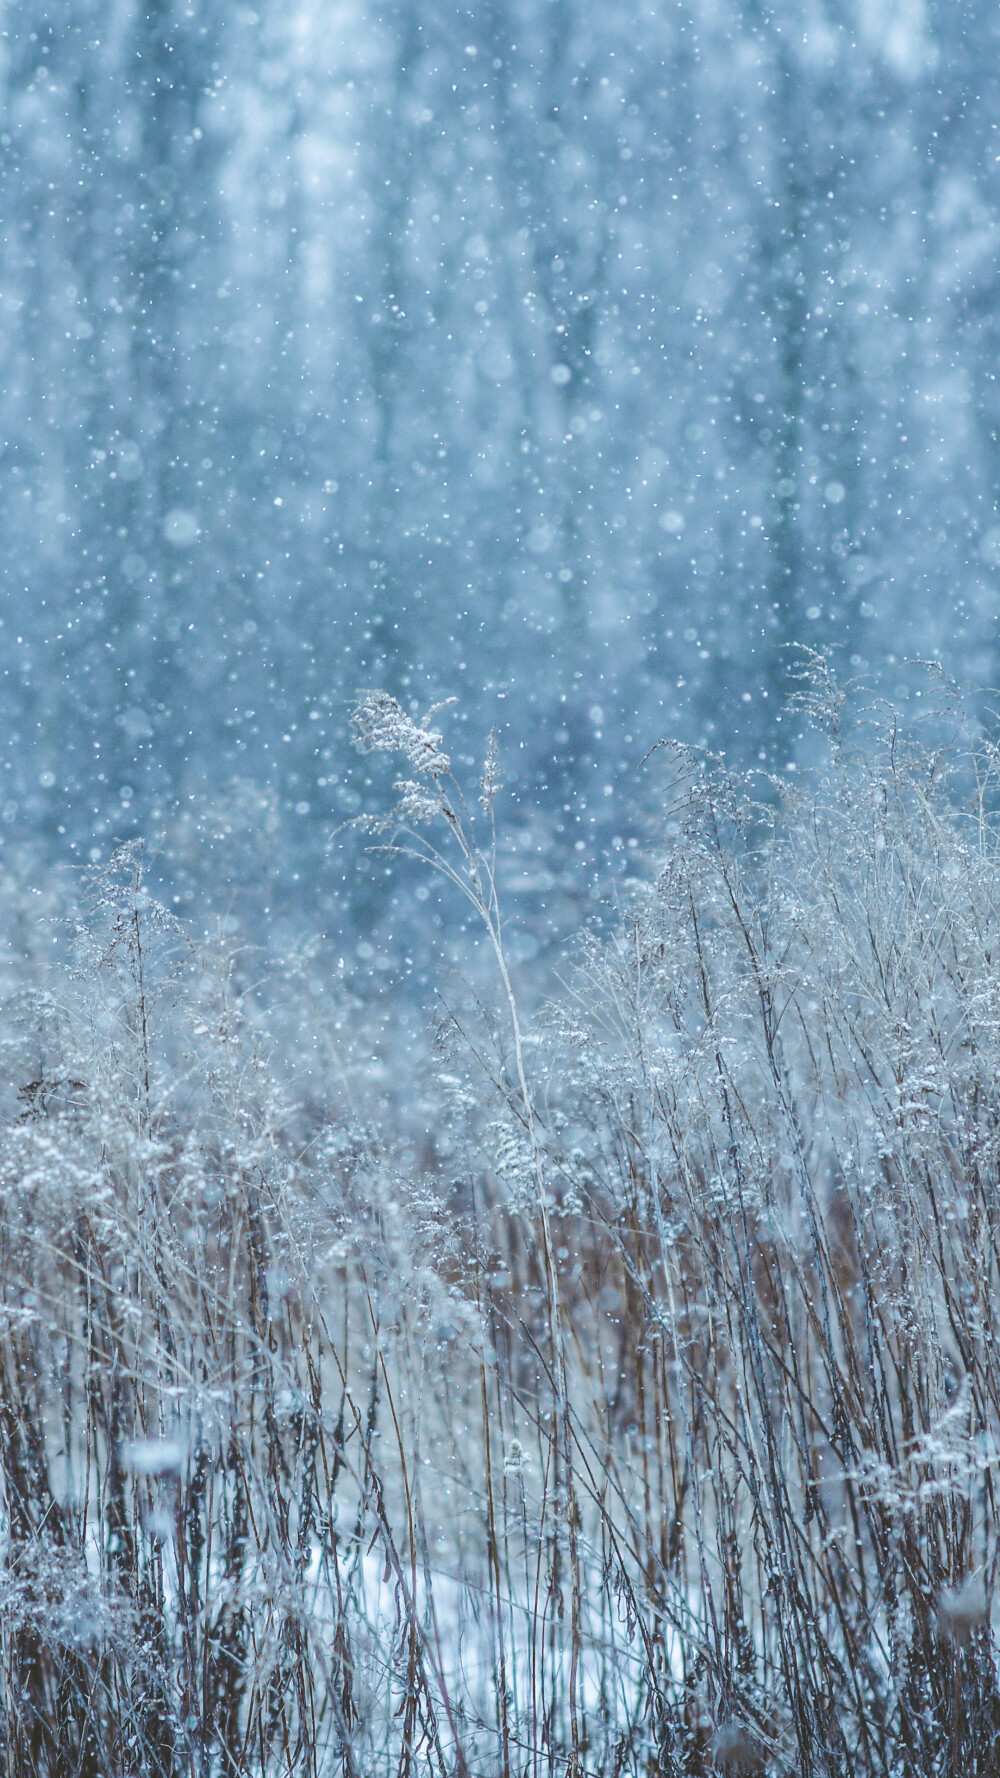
(381, 725)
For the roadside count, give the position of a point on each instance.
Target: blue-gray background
(575, 358)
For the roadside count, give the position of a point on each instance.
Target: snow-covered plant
(632, 1407)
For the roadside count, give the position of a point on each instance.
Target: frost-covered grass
(643, 1419)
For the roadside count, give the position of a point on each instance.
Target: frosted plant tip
(416, 802)
(514, 1460)
(381, 725)
(490, 781)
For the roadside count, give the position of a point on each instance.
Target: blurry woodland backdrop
(573, 358)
